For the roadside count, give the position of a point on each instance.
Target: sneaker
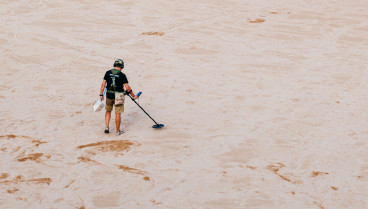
(106, 130)
(119, 132)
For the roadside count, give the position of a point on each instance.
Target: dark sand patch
(38, 142)
(39, 181)
(155, 202)
(135, 171)
(12, 136)
(318, 173)
(12, 191)
(87, 159)
(35, 157)
(131, 170)
(319, 205)
(251, 167)
(109, 146)
(19, 179)
(257, 21)
(71, 182)
(153, 33)
(275, 169)
(4, 176)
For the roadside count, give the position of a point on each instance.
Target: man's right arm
(102, 89)
(128, 89)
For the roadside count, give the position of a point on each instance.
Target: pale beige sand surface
(264, 103)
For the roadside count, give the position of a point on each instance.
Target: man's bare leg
(117, 121)
(107, 119)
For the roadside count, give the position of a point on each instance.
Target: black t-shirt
(115, 82)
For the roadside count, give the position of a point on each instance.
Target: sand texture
(264, 104)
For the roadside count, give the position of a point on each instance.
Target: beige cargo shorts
(110, 103)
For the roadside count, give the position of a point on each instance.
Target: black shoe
(106, 130)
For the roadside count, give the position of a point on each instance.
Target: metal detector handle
(139, 93)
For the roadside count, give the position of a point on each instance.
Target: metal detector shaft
(142, 109)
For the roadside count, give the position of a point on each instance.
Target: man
(115, 82)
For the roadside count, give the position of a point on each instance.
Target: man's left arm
(102, 89)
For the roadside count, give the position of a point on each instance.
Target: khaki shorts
(109, 106)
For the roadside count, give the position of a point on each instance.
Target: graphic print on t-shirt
(113, 86)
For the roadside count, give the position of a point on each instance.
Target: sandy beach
(264, 104)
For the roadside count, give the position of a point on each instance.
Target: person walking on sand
(115, 82)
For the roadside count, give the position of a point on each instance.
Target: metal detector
(157, 125)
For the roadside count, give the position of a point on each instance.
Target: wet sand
(264, 104)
